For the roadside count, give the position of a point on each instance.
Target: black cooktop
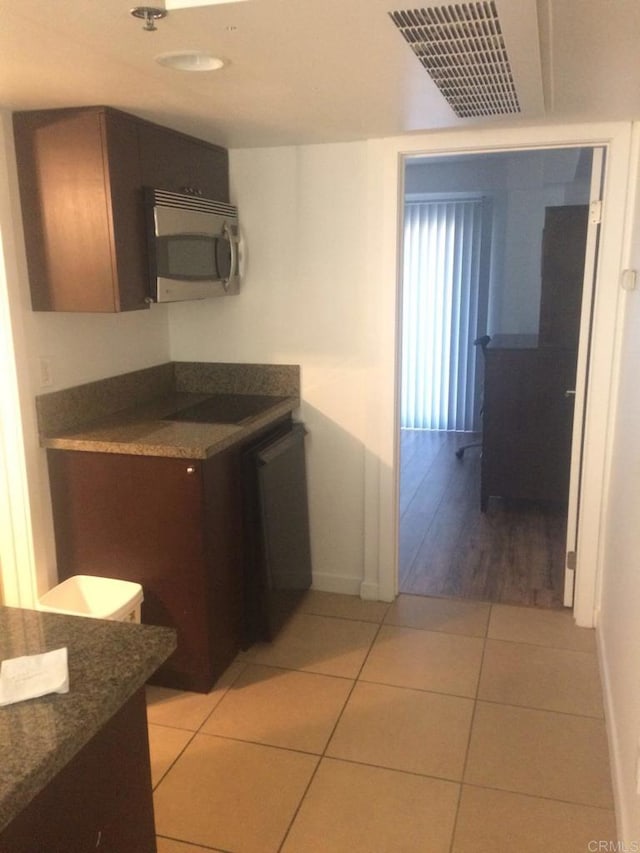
(225, 409)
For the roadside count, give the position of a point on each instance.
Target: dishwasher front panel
(279, 566)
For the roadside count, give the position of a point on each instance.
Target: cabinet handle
(570, 392)
(191, 469)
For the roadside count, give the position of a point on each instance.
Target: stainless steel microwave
(193, 246)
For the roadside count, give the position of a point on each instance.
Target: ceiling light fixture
(149, 14)
(190, 60)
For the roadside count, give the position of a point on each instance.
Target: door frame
(590, 256)
(598, 171)
(386, 191)
(17, 552)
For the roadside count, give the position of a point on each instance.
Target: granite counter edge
(86, 441)
(37, 778)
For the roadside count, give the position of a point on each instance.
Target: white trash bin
(97, 597)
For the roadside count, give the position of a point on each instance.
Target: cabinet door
(64, 207)
(172, 525)
(173, 161)
(141, 519)
(130, 255)
(100, 800)
(79, 180)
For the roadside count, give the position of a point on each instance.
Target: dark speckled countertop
(126, 414)
(108, 662)
(141, 431)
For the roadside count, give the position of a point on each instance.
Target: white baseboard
(612, 738)
(370, 591)
(324, 582)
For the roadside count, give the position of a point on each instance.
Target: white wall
(619, 623)
(85, 347)
(303, 301)
(80, 347)
(320, 290)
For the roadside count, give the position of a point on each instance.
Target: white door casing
(383, 221)
(16, 537)
(572, 564)
(17, 559)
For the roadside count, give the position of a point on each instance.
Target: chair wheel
(460, 452)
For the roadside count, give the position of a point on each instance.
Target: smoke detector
(483, 56)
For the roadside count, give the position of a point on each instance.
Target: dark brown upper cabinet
(79, 178)
(173, 161)
(81, 174)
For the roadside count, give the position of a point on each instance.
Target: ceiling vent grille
(463, 49)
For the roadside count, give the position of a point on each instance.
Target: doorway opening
(494, 249)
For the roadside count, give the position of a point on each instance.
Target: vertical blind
(442, 241)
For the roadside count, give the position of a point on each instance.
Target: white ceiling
(301, 71)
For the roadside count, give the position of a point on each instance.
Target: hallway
(427, 725)
(513, 553)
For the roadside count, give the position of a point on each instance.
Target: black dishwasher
(277, 546)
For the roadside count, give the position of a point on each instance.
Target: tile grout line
(249, 662)
(454, 828)
(246, 662)
(579, 803)
(164, 775)
(358, 678)
(419, 689)
(335, 726)
(540, 710)
(193, 733)
(232, 739)
(194, 845)
(593, 653)
(223, 697)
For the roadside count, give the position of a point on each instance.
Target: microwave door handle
(233, 245)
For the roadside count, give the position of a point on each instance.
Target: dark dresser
(527, 420)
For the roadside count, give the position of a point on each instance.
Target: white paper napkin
(33, 675)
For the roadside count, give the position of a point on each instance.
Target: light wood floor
(513, 553)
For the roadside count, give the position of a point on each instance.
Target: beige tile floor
(429, 725)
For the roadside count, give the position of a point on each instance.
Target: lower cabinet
(102, 799)
(172, 525)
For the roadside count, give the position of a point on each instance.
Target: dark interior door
(563, 255)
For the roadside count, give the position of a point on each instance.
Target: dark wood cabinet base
(172, 525)
(102, 800)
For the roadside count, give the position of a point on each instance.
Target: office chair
(483, 342)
